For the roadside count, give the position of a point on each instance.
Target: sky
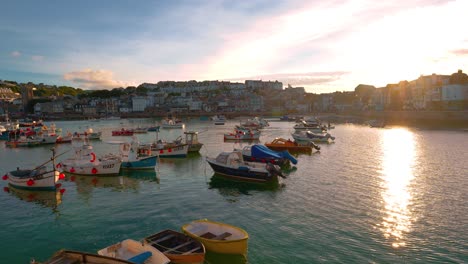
(324, 46)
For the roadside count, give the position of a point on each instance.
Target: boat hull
(106, 167)
(195, 147)
(241, 174)
(196, 229)
(141, 164)
(44, 181)
(172, 152)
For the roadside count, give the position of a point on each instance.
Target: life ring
(93, 157)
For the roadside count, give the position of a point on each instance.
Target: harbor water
(379, 195)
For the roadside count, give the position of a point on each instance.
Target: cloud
(15, 53)
(461, 52)
(94, 79)
(37, 58)
(299, 79)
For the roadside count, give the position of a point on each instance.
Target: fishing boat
(219, 119)
(85, 162)
(309, 136)
(135, 156)
(261, 153)
(77, 257)
(172, 122)
(218, 237)
(291, 146)
(314, 127)
(47, 135)
(39, 178)
(231, 165)
(191, 138)
(240, 134)
(122, 132)
(255, 122)
(178, 247)
(174, 149)
(22, 140)
(135, 252)
(89, 134)
(65, 139)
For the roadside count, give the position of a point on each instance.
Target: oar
(51, 159)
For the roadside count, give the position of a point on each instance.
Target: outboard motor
(315, 146)
(274, 170)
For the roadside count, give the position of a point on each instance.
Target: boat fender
(93, 157)
(94, 171)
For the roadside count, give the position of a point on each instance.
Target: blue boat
(137, 157)
(153, 129)
(261, 153)
(231, 165)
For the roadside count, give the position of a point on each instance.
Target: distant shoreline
(433, 119)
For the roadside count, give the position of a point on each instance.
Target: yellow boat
(218, 237)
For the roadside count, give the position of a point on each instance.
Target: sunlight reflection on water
(398, 159)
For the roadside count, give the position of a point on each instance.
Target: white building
(139, 103)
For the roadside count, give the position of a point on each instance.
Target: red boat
(122, 132)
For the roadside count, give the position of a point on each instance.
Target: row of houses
(431, 92)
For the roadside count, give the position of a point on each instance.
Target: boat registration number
(109, 166)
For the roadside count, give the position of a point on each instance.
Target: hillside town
(427, 93)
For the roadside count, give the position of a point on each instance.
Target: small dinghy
(218, 237)
(135, 252)
(178, 247)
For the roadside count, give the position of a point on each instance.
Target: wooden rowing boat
(178, 247)
(218, 237)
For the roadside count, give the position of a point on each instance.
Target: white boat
(219, 119)
(314, 127)
(308, 136)
(47, 135)
(242, 134)
(85, 162)
(134, 251)
(39, 178)
(89, 134)
(255, 122)
(171, 123)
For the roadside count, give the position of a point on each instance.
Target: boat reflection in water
(398, 159)
(127, 180)
(50, 199)
(213, 257)
(228, 187)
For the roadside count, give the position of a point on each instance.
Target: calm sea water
(375, 195)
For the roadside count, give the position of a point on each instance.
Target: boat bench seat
(191, 251)
(161, 239)
(179, 246)
(210, 235)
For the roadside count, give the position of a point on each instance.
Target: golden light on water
(398, 158)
